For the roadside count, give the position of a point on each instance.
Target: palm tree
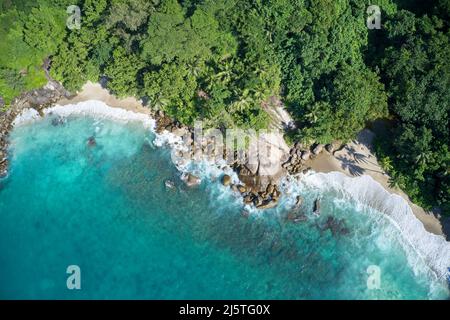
(243, 103)
(225, 72)
(159, 102)
(312, 116)
(423, 158)
(386, 164)
(396, 181)
(194, 68)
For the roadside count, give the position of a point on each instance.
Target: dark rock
(298, 201)
(276, 195)
(258, 200)
(296, 218)
(316, 208)
(298, 145)
(267, 204)
(270, 189)
(58, 121)
(92, 142)
(329, 148)
(248, 199)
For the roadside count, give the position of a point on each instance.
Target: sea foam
(433, 249)
(26, 116)
(100, 109)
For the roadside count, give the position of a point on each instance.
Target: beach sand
(94, 91)
(353, 160)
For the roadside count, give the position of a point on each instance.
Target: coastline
(342, 161)
(341, 164)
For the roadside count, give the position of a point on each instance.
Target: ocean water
(106, 209)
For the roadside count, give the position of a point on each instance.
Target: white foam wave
(100, 109)
(26, 116)
(433, 249)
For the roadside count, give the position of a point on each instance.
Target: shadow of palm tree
(359, 157)
(352, 167)
(363, 159)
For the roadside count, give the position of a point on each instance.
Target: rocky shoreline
(37, 99)
(262, 192)
(256, 188)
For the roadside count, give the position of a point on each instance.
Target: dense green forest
(222, 61)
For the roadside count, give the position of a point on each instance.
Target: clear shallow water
(107, 210)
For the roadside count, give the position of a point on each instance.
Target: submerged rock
(297, 217)
(58, 121)
(245, 213)
(336, 226)
(92, 142)
(169, 184)
(191, 180)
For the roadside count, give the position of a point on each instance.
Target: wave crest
(433, 249)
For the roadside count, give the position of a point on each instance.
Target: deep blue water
(107, 210)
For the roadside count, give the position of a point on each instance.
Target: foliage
(416, 70)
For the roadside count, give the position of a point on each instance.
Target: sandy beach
(354, 160)
(94, 91)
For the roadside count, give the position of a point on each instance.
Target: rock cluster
(298, 157)
(260, 199)
(256, 188)
(297, 160)
(37, 99)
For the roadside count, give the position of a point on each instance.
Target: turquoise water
(107, 210)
